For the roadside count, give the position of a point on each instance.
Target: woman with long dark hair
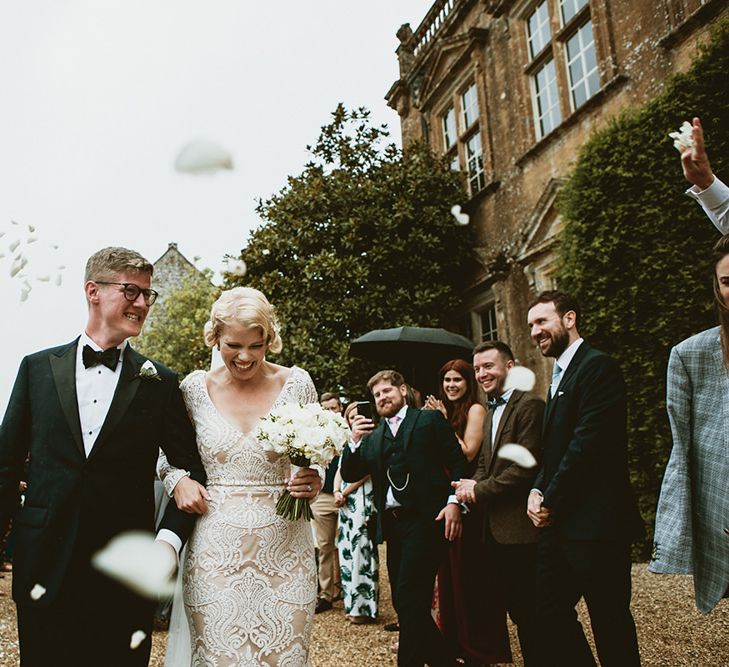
(691, 534)
(471, 622)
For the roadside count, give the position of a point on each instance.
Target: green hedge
(636, 251)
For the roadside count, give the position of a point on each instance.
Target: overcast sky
(99, 96)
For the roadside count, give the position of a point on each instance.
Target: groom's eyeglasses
(132, 291)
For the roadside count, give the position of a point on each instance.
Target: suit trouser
(416, 548)
(514, 575)
(599, 571)
(90, 623)
(326, 515)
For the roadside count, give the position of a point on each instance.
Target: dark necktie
(108, 358)
(494, 403)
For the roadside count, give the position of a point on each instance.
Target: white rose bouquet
(304, 434)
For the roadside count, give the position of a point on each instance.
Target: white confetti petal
(53, 245)
(518, 454)
(203, 157)
(265, 251)
(461, 218)
(31, 239)
(61, 267)
(59, 279)
(684, 138)
(137, 638)
(236, 266)
(31, 229)
(44, 279)
(14, 245)
(24, 293)
(521, 378)
(12, 222)
(18, 265)
(38, 592)
(140, 563)
(2, 234)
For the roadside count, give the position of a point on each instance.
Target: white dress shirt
(95, 389)
(715, 202)
(498, 412)
(564, 360)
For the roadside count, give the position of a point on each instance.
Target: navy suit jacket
(584, 476)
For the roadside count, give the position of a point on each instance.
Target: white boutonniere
(148, 371)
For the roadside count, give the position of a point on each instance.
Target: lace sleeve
(168, 474)
(305, 389)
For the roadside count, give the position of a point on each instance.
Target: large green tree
(636, 251)
(362, 239)
(175, 335)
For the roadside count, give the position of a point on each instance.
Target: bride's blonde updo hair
(246, 306)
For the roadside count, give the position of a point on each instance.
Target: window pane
(546, 100)
(582, 65)
(455, 164)
(539, 32)
(449, 128)
(570, 8)
(474, 157)
(489, 330)
(469, 104)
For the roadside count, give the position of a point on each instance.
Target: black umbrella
(417, 351)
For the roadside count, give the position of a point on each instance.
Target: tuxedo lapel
(63, 367)
(126, 389)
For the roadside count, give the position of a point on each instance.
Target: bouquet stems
(294, 508)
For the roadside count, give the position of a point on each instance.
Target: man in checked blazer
(501, 487)
(92, 415)
(582, 501)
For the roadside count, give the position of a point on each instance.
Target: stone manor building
(508, 90)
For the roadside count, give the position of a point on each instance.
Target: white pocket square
(559, 393)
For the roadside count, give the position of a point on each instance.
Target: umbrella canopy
(411, 346)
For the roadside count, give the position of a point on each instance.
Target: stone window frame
(555, 50)
(458, 152)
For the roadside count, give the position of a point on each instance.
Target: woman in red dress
(468, 616)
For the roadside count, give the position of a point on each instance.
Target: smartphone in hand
(364, 408)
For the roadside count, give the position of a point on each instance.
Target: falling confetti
(517, 454)
(203, 157)
(461, 218)
(18, 265)
(31, 239)
(38, 592)
(140, 563)
(237, 267)
(521, 378)
(14, 245)
(137, 638)
(265, 251)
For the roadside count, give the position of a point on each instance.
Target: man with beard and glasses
(582, 501)
(413, 456)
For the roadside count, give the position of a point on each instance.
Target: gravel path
(670, 630)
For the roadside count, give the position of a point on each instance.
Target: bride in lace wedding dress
(249, 576)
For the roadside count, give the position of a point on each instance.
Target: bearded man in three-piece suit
(413, 456)
(582, 500)
(91, 416)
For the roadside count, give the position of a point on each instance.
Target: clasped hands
(192, 497)
(541, 516)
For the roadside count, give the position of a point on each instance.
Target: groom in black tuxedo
(582, 501)
(412, 456)
(90, 416)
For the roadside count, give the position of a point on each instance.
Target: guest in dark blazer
(582, 501)
(407, 456)
(500, 488)
(92, 414)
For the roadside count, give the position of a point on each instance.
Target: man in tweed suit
(501, 488)
(692, 520)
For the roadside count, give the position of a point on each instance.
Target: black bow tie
(108, 358)
(494, 403)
